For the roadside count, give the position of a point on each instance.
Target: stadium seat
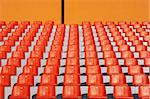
(122, 92)
(46, 92)
(20, 92)
(97, 92)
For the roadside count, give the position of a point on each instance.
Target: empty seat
(90, 54)
(71, 79)
(140, 79)
(94, 79)
(20, 92)
(34, 62)
(72, 54)
(116, 69)
(130, 61)
(18, 54)
(51, 70)
(46, 92)
(39, 48)
(32, 70)
(122, 92)
(127, 54)
(109, 54)
(5, 80)
(144, 54)
(97, 92)
(22, 48)
(117, 79)
(72, 70)
(36, 54)
(95, 69)
(140, 48)
(107, 47)
(111, 61)
(123, 48)
(144, 92)
(48, 79)
(25, 79)
(147, 62)
(72, 61)
(91, 61)
(135, 69)
(14, 62)
(53, 61)
(71, 92)
(3, 54)
(9, 70)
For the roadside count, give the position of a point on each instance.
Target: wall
(106, 10)
(30, 10)
(76, 11)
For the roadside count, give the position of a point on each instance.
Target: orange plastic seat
(36, 54)
(109, 54)
(22, 48)
(90, 54)
(71, 79)
(20, 92)
(127, 54)
(123, 48)
(9, 43)
(95, 69)
(97, 92)
(140, 79)
(51, 70)
(72, 54)
(107, 47)
(144, 91)
(53, 61)
(71, 92)
(55, 54)
(91, 61)
(25, 79)
(9, 70)
(121, 42)
(46, 92)
(5, 48)
(116, 69)
(34, 62)
(14, 62)
(5, 80)
(39, 48)
(25, 43)
(3, 55)
(122, 92)
(111, 61)
(144, 54)
(117, 79)
(32, 70)
(72, 69)
(48, 79)
(94, 79)
(147, 61)
(72, 61)
(140, 48)
(135, 69)
(18, 54)
(130, 61)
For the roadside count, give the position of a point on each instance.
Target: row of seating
(46, 88)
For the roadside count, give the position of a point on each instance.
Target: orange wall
(76, 11)
(106, 10)
(30, 10)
